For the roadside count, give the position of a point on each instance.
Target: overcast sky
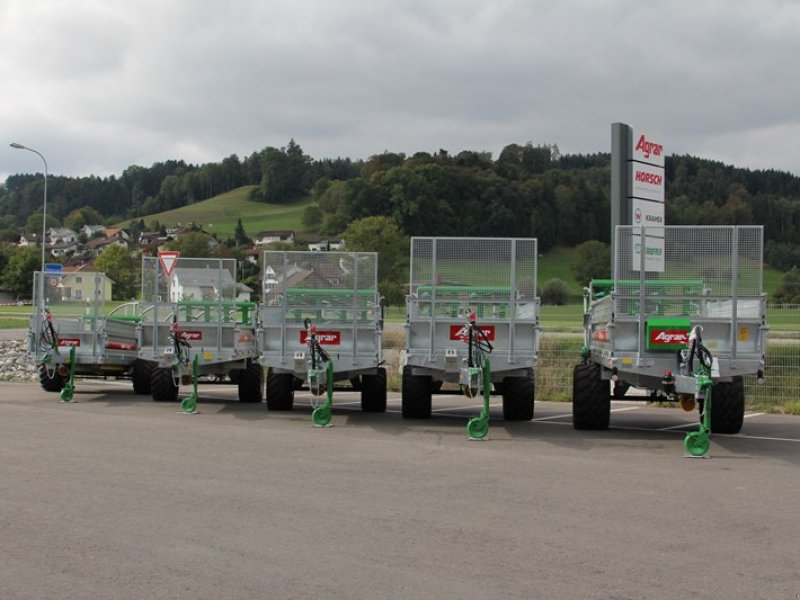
(99, 85)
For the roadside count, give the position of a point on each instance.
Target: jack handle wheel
(67, 392)
(696, 443)
(321, 415)
(189, 404)
(477, 428)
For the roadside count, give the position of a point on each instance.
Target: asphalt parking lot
(115, 496)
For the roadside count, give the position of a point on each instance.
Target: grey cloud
(101, 85)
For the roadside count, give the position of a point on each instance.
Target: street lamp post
(44, 205)
(44, 209)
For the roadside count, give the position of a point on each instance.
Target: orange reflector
(687, 402)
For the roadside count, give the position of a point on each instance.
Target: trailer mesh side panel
(202, 298)
(324, 285)
(688, 270)
(76, 303)
(462, 274)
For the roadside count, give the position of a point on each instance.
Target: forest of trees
(526, 191)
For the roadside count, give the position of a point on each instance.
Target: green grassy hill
(220, 213)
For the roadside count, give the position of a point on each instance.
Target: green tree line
(526, 190)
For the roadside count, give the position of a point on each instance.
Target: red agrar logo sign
(69, 342)
(647, 148)
(115, 345)
(668, 337)
(461, 332)
(192, 336)
(325, 338)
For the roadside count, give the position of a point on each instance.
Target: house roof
(199, 276)
(96, 243)
(114, 231)
(61, 232)
(82, 267)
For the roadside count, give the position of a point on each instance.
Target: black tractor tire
(162, 385)
(416, 395)
(141, 375)
(280, 391)
(356, 383)
(51, 380)
(518, 397)
(727, 406)
(373, 391)
(591, 403)
(251, 382)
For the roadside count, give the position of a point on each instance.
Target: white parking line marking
(677, 426)
(553, 417)
(713, 435)
(758, 437)
(695, 424)
(467, 407)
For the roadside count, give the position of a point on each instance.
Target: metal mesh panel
(76, 304)
(677, 270)
(783, 360)
(323, 284)
(750, 260)
(75, 293)
(452, 276)
(202, 300)
(337, 292)
(191, 280)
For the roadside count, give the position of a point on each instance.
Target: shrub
(555, 291)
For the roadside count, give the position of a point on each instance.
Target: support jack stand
(69, 388)
(189, 404)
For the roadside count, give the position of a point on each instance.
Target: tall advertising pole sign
(638, 193)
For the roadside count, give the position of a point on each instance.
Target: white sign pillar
(638, 192)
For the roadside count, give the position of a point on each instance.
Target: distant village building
(28, 239)
(63, 248)
(326, 245)
(92, 230)
(59, 235)
(253, 254)
(116, 233)
(150, 238)
(97, 245)
(77, 283)
(279, 277)
(263, 238)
